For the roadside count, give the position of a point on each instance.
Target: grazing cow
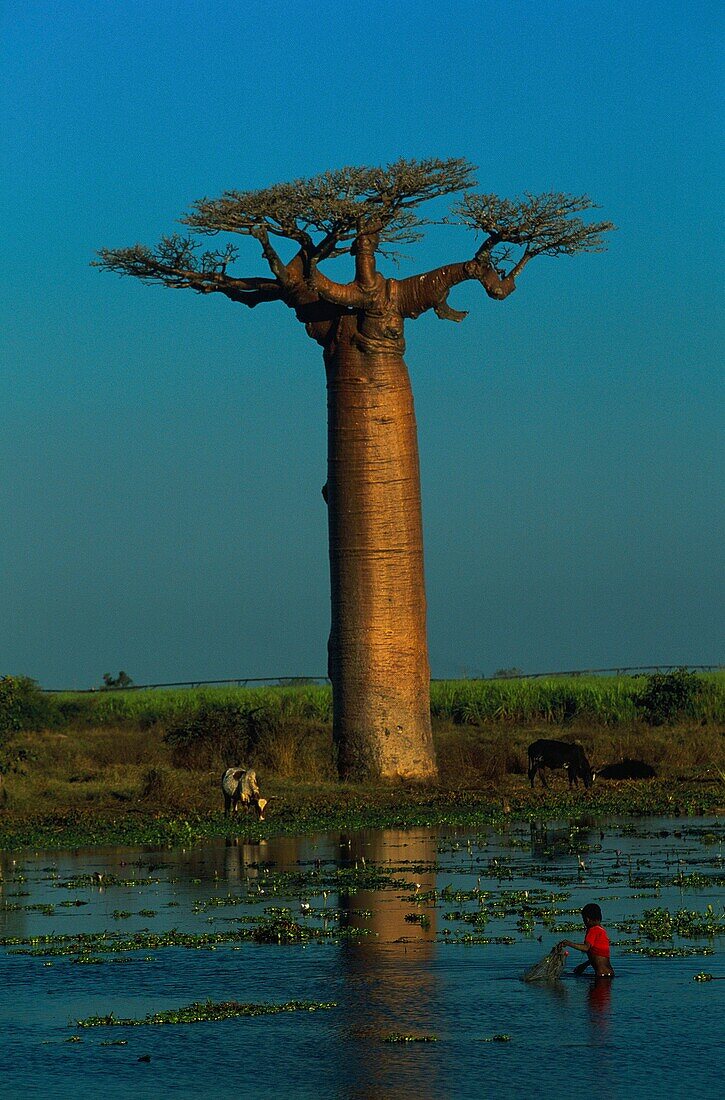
(239, 786)
(627, 769)
(559, 754)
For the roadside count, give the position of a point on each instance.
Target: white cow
(239, 785)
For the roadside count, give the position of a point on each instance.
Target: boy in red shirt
(596, 944)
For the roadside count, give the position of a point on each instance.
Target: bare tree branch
(349, 295)
(543, 224)
(177, 263)
(516, 231)
(355, 295)
(420, 293)
(363, 249)
(447, 313)
(277, 267)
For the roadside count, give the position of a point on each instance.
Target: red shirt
(598, 940)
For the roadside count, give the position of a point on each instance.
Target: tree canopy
(329, 215)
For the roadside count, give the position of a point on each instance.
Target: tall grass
(552, 701)
(604, 701)
(165, 705)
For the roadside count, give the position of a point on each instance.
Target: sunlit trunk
(378, 657)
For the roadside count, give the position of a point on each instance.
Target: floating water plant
(526, 922)
(205, 1011)
(659, 924)
(418, 918)
(92, 943)
(80, 882)
(472, 937)
(669, 952)
(398, 1037)
(97, 960)
(282, 930)
(696, 880)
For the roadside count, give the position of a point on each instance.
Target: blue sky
(163, 453)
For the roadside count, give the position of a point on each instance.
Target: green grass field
(607, 701)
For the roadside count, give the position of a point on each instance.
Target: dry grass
(466, 754)
(297, 750)
(485, 752)
(122, 767)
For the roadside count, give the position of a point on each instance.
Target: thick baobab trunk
(378, 660)
(378, 657)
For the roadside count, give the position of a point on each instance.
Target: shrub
(110, 683)
(214, 735)
(465, 754)
(668, 696)
(222, 734)
(22, 705)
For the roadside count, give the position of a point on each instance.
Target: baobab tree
(377, 651)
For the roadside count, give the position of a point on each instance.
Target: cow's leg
(532, 773)
(227, 804)
(543, 777)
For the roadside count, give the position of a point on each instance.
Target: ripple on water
(650, 1032)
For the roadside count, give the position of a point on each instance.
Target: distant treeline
(657, 699)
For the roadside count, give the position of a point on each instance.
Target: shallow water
(653, 1031)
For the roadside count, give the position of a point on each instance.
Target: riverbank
(297, 809)
(145, 767)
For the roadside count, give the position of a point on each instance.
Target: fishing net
(547, 969)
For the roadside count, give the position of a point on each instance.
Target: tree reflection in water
(389, 982)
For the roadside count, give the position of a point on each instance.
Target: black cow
(546, 753)
(627, 769)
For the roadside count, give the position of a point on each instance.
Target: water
(653, 1031)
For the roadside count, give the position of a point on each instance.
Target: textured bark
(378, 656)
(378, 650)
